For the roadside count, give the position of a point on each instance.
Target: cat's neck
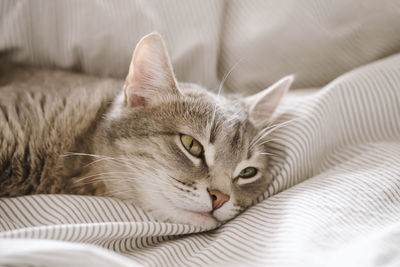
(79, 164)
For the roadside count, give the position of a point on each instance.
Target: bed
(335, 196)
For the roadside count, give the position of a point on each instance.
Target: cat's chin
(175, 214)
(200, 219)
(163, 210)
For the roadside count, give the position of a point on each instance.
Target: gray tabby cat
(176, 150)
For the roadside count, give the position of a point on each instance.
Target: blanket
(334, 199)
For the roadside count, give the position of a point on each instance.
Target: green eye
(191, 145)
(248, 172)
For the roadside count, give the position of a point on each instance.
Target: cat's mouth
(209, 215)
(201, 218)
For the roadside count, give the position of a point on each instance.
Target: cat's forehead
(225, 129)
(220, 124)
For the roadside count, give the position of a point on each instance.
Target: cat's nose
(218, 198)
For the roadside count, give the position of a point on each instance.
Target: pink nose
(218, 198)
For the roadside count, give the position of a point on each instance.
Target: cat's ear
(150, 72)
(262, 105)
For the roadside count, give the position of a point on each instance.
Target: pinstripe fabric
(335, 194)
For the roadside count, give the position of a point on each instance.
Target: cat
(177, 150)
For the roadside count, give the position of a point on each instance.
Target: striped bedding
(334, 200)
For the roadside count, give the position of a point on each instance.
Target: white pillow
(99, 37)
(316, 40)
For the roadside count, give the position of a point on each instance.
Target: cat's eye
(192, 145)
(248, 172)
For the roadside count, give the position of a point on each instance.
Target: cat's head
(180, 151)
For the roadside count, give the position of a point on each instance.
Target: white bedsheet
(334, 201)
(31, 252)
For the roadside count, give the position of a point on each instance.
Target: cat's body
(177, 150)
(44, 114)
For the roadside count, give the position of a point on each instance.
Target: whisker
(81, 154)
(98, 174)
(266, 153)
(123, 176)
(220, 90)
(112, 193)
(269, 130)
(269, 140)
(101, 160)
(149, 191)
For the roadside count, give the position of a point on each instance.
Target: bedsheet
(334, 200)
